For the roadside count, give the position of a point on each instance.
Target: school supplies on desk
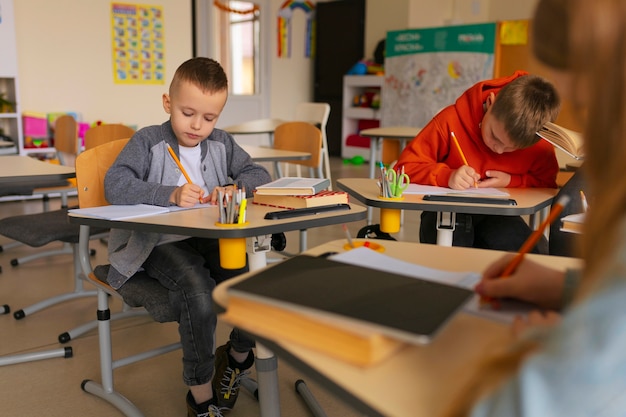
(392, 183)
(507, 312)
(420, 189)
(323, 198)
(307, 211)
(130, 211)
(573, 223)
(294, 186)
(232, 208)
(361, 308)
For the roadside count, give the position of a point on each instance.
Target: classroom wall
(64, 60)
(64, 53)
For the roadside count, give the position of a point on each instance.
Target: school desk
(268, 154)
(201, 223)
(25, 170)
(377, 134)
(256, 127)
(530, 201)
(419, 380)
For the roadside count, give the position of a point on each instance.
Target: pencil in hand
(180, 166)
(532, 240)
(458, 147)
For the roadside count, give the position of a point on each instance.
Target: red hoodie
(431, 157)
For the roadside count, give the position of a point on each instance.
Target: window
(236, 37)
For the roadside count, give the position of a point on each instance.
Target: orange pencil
(180, 166)
(458, 147)
(532, 240)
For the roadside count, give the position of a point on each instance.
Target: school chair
(100, 134)
(301, 137)
(317, 113)
(40, 229)
(65, 150)
(141, 291)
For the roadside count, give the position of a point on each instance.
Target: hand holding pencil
(181, 195)
(454, 181)
(530, 243)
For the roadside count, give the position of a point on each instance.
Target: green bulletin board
(427, 69)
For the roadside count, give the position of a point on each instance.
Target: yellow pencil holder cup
(232, 250)
(233, 253)
(390, 218)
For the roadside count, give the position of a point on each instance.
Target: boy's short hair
(524, 105)
(205, 73)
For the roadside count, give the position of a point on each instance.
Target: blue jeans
(506, 233)
(191, 269)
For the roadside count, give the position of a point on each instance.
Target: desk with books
(417, 380)
(202, 223)
(530, 201)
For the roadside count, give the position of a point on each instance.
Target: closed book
(573, 223)
(294, 186)
(323, 198)
(323, 295)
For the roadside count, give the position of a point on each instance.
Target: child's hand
(229, 189)
(187, 195)
(530, 282)
(495, 179)
(541, 319)
(463, 178)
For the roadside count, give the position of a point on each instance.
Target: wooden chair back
(66, 139)
(101, 134)
(301, 137)
(91, 167)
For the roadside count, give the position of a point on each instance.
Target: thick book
(323, 198)
(567, 140)
(323, 295)
(573, 223)
(294, 186)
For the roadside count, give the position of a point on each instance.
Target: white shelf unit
(354, 85)
(10, 122)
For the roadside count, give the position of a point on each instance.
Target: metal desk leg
(266, 365)
(445, 228)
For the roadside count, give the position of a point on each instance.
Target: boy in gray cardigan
(145, 172)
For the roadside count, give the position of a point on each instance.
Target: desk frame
(530, 201)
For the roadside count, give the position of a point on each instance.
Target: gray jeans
(191, 269)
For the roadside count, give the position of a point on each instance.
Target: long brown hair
(587, 39)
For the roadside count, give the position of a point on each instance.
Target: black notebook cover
(398, 306)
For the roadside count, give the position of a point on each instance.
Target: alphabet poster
(138, 44)
(427, 69)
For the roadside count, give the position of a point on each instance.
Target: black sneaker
(206, 409)
(228, 374)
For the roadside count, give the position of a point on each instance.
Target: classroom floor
(51, 387)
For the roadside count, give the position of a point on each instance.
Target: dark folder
(395, 305)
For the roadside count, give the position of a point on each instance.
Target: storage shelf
(354, 85)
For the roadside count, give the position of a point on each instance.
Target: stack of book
(295, 192)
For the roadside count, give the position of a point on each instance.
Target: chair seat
(143, 291)
(42, 228)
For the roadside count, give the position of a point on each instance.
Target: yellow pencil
(180, 166)
(458, 147)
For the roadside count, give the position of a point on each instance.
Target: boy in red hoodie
(495, 123)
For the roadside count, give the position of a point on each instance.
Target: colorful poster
(138, 44)
(427, 69)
